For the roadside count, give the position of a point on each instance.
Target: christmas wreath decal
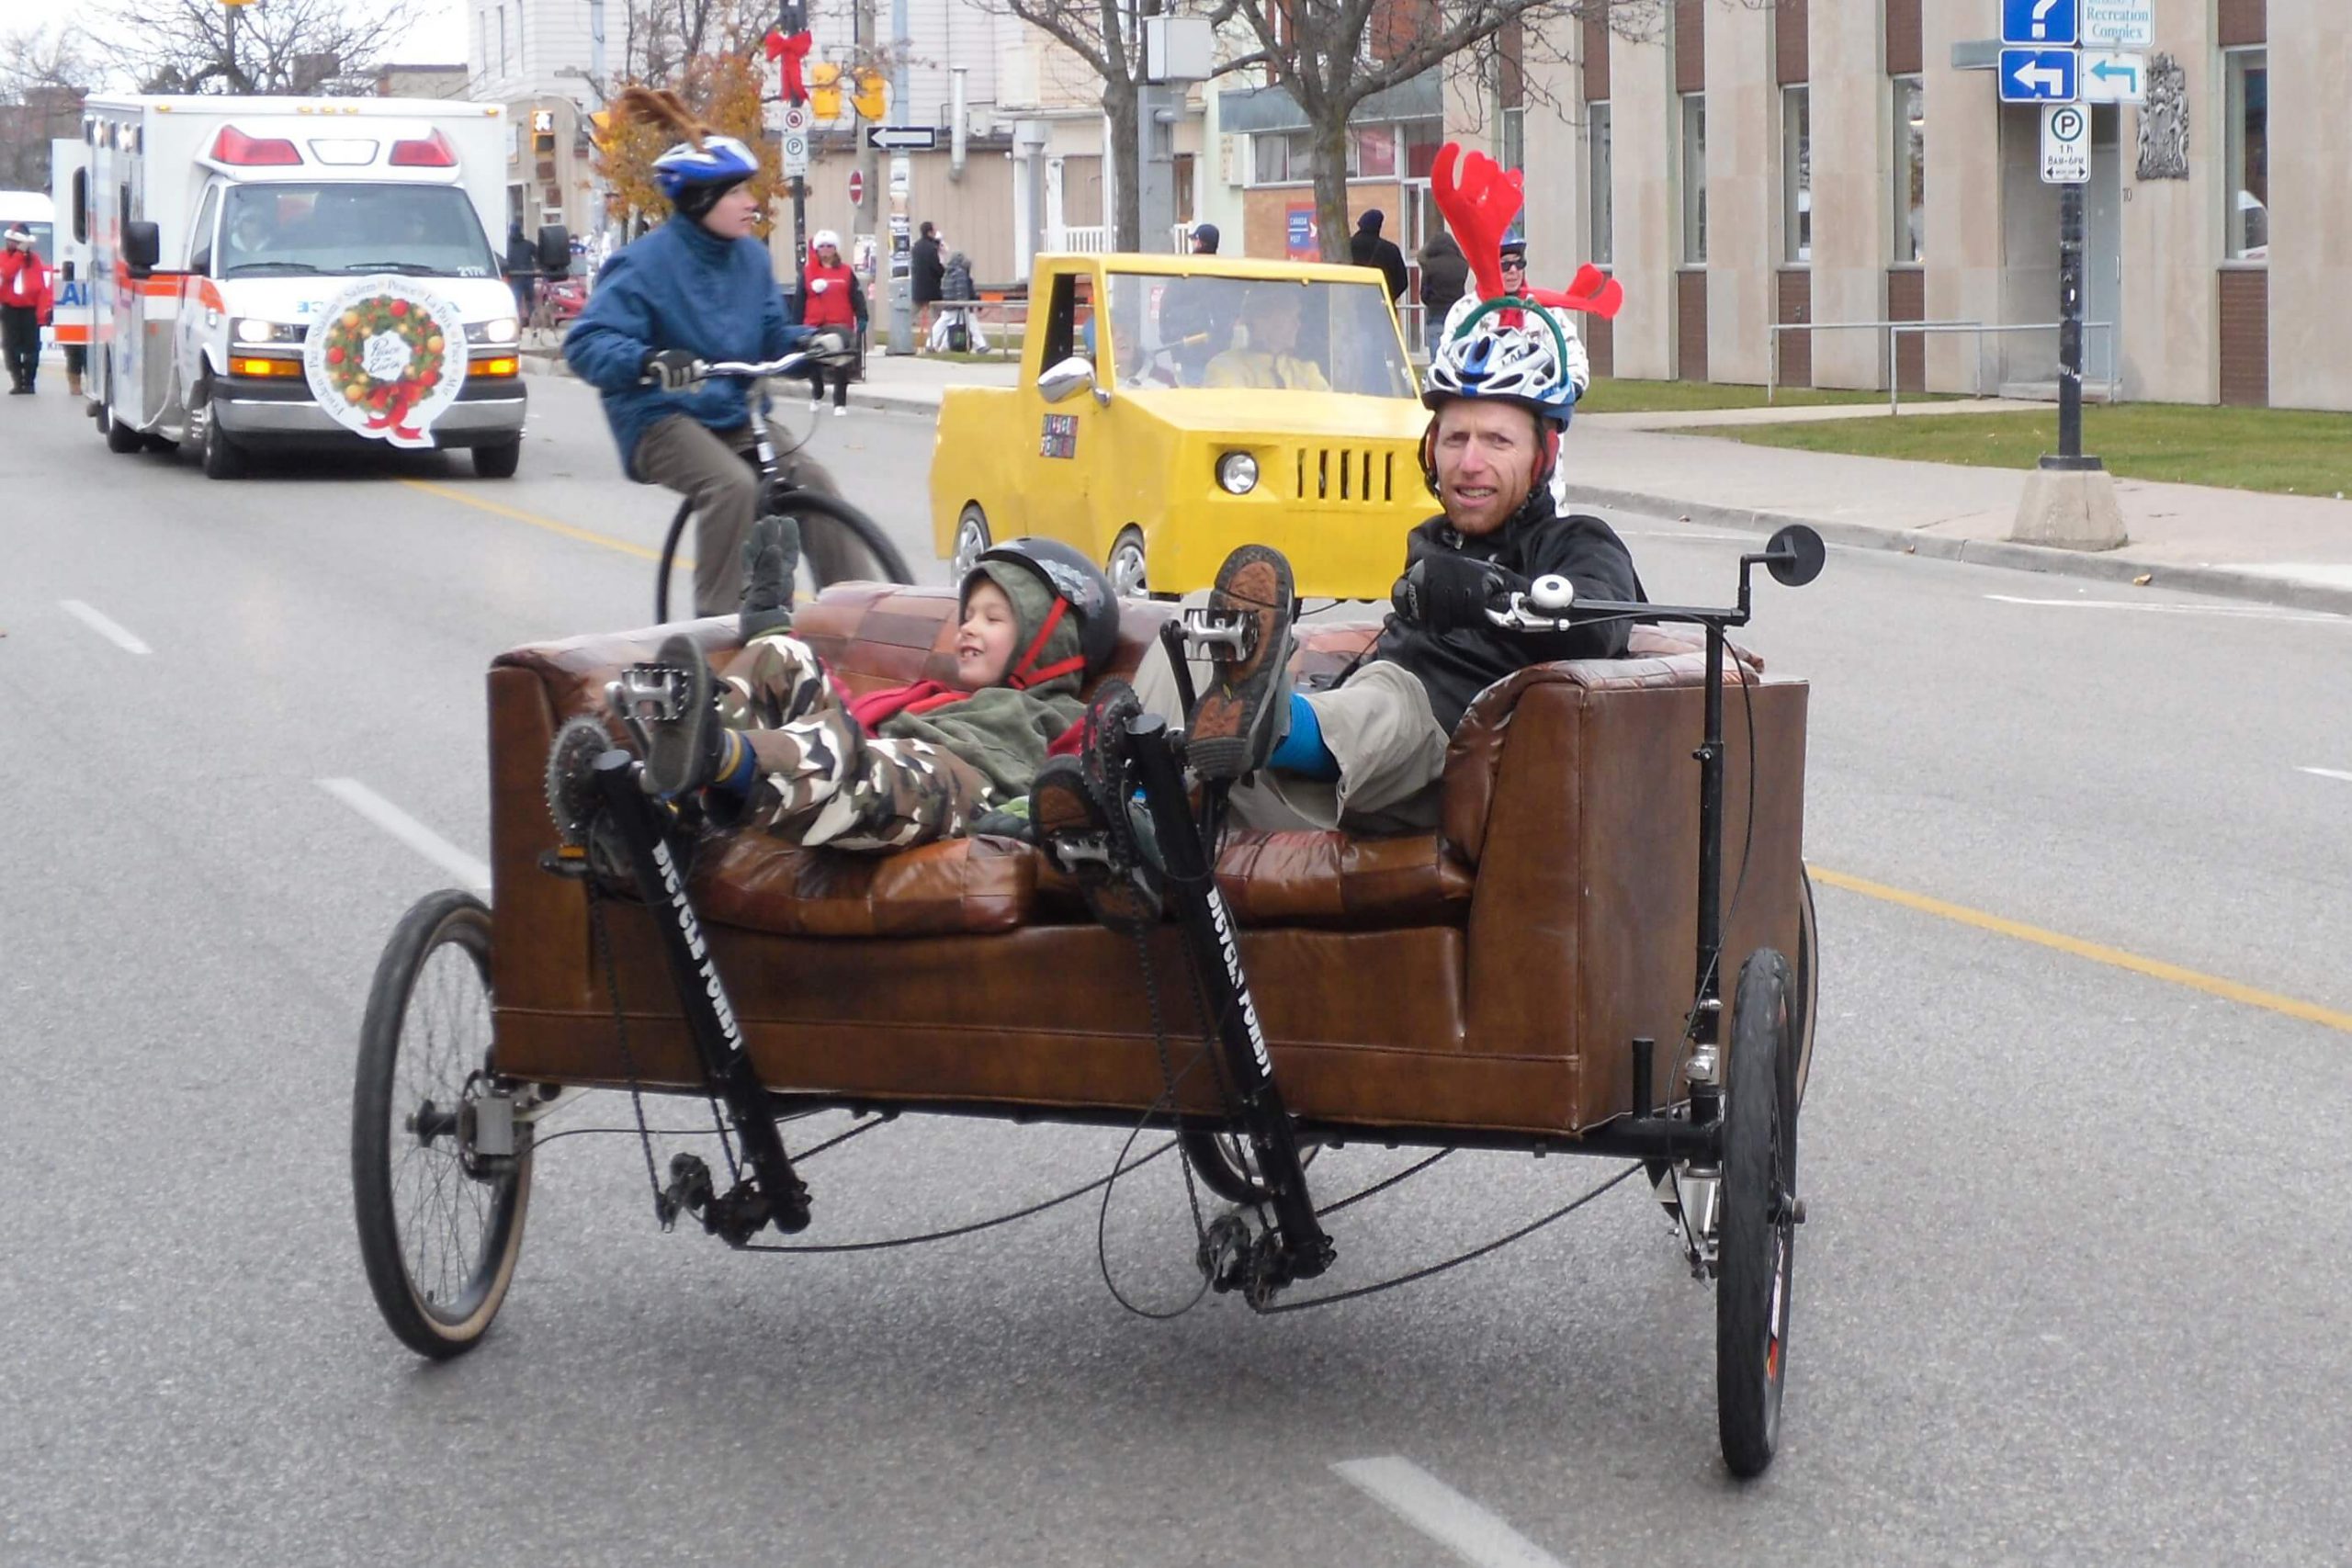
(384, 358)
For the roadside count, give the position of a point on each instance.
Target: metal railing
(1895, 331)
(1085, 239)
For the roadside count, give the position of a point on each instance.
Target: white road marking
(110, 630)
(2238, 612)
(468, 871)
(2327, 773)
(1445, 1515)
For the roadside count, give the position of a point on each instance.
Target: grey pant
(1390, 747)
(712, 471)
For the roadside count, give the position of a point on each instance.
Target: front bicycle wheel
(440, 1206)
(838, 544)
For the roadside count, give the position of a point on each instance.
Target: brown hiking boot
(1235, 723)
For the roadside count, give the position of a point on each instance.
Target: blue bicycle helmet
(1526, 364)
(703, 166)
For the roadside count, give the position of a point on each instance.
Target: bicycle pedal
(1208, 633)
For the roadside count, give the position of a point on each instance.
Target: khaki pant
(712, 470)
(1390, 747)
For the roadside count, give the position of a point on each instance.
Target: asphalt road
(2072, 1292)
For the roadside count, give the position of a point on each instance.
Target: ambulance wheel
(162, 444)
(498, 462)
(223, 458)
(122, 438)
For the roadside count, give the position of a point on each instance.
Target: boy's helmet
(1076, 583)
(719, 161)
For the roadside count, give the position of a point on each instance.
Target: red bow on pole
(789, 51)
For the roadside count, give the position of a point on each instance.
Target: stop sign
(857, 187)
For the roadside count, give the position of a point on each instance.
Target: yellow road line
(684, 563)
(2156, 969)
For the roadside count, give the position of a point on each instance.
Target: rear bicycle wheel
(838, 544)
(1757, 1223)
(440, 1224)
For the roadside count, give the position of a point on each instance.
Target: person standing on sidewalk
(836, 302)
(25, 303)
(930, 262)
(1445, 277)
(1366, 248)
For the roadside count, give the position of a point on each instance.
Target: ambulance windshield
(287, 229)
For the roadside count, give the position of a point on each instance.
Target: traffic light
(825, 91)
(600, 131)
(871, 100)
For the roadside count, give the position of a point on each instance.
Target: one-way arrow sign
(2039, 77)
(902, 138)
(2114, 78)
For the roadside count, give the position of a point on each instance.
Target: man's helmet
(1074, 580)
(718, 161)
(1524, 364)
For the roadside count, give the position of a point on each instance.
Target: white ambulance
(225, 233)
(69, 180)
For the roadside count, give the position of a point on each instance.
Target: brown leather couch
(1484, 979)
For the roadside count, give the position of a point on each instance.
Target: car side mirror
(555, 250)
(142, 246)
(1062, 380)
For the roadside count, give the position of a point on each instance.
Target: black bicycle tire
(448, 916)
(1757, 1234)
(803, 504)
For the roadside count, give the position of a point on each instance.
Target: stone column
(1643, 144)
(1852, 182)
(2310, 205)
(2172, 234)
(1743, 192)
(1963, 191)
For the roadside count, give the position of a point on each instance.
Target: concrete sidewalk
(2278, 549)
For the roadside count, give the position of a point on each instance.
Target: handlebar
(749, 370)
(1794, 557)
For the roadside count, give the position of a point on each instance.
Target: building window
(1422, 139)
(1372, 152)
(1281, 157)
(1910, 171)
(1694, 179)
(502, 40)
(1796, 175)
(2246, 233)
(1605, 218)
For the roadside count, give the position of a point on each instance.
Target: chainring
(571, 785)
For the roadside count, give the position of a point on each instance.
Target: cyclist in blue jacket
(698, 288)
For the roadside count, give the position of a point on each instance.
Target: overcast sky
(438, 39)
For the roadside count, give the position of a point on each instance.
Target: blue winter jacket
(680, 287)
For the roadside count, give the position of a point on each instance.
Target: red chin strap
(1020, 677)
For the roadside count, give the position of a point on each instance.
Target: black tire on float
(1756, 1223)
(498, 461)
(121, 439)
(1807, 1001)
(838, 544)
(439, 1241)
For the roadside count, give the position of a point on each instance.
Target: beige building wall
(2172, 234)
(2310, 205)
(1963, 220)
(1558, 229)
(1743, 192)
(1852, 188)
(1643, 141)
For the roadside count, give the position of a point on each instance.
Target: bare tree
(285, 46)
(44, 75)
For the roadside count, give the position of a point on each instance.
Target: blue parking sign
(2049, 23)
(2041, 75)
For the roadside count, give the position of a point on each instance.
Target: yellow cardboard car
(1171, 408)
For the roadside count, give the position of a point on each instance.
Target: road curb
(2113, 566)
(882, 398)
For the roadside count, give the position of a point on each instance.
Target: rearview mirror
(1062, 380)
(142, 245)
(1794, 555)
(555, 250)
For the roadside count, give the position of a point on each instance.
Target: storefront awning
(1272, 109)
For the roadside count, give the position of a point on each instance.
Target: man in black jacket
(927, 266)
(1369, 751)
(1366, 248)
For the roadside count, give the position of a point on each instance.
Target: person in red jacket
(835, 298)
(24, 308)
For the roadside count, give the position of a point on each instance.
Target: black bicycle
(838, 542)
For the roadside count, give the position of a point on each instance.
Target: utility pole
(869, 164)
(791, 19)
(229, 24)
(902, 306)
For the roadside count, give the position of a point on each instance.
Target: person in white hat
(25, 306)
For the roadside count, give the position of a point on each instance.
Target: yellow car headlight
(1237, 473)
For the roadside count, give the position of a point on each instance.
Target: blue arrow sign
(2044, 22)
(2039, 77)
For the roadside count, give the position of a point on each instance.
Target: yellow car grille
(1370, 475)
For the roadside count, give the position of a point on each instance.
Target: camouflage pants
(821, 782)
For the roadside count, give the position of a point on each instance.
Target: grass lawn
(1610, 395)
(2287, 451)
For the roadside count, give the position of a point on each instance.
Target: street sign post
(2043, 23)
(2114, 78)
(795, 150)
(902, 138)
(2041, 75)
(2065, 144)
(2118, 24)
(796, 116)
(857, 187)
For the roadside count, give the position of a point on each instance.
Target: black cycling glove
(1449, 589)
(674, 369)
